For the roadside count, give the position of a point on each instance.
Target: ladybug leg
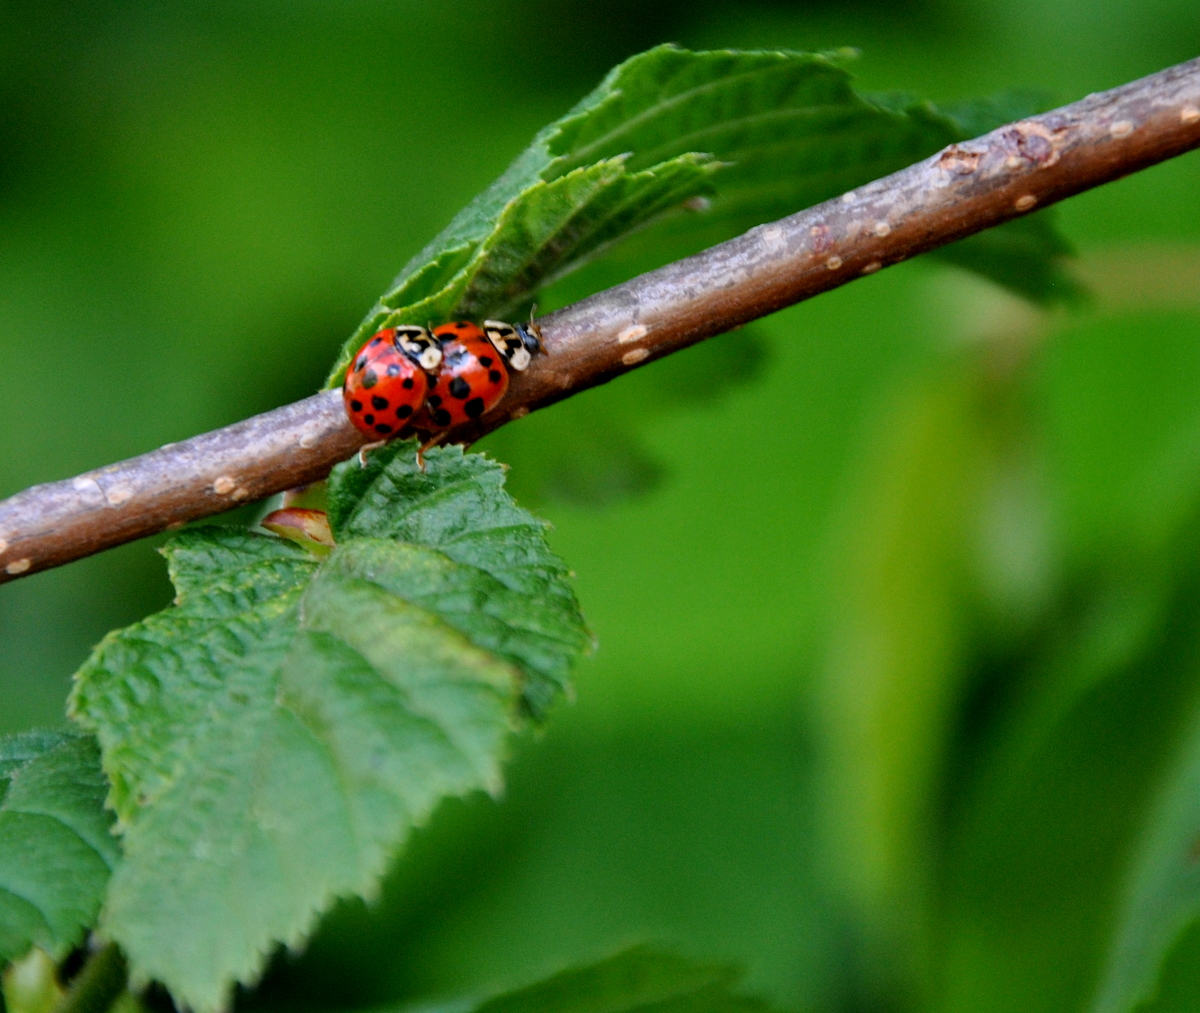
(362, 451)
(428, 445)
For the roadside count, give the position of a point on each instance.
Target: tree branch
(963, 189)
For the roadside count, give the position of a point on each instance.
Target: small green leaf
(637, 979)
(56, 848)
(273, 737)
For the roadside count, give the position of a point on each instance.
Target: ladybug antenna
(531, 335)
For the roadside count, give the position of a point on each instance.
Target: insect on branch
(961, 190)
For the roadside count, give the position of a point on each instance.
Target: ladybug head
(420, 346)
(531, 336)
(516, 344)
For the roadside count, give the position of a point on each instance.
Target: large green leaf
(764, 133)
(1061, 890)
(895, 671)
(273, 737)
(56, 846)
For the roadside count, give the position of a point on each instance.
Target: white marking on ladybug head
(508, 343)
(417, 343)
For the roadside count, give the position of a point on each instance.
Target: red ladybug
(387, 381)
(474, 372)
(472, 378)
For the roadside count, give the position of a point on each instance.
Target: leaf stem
(964, 189)
(98, 985)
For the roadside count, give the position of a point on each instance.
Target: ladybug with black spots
(388, 380)
(457, 373)
(473, 376)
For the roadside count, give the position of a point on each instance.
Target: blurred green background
(895, 591)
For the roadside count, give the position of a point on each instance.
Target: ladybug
(387, 382)
(471, 380)
(474, 372)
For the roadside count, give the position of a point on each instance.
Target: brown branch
(961, 190)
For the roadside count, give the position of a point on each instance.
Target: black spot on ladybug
(393, 369)
(356, 405)
(369, 419)
(379, 403)
(474, 407)
(459, 388)
(362, 363)
(375, 340)
(370, 379)
(460, 326)
(408, 383)
(404, 411)
(495, 376)
(442, 417)
(435, 400)
(383, 429)
(485, 361)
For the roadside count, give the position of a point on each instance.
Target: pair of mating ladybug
(408, 379)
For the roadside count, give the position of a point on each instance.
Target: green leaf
(637, 979)
(764, 133)
(470, 554)
(273, 737)
(896, 668)
(56, 848)
(1163, 898)
(1178, 987)
(978, 116)
(1026, 255)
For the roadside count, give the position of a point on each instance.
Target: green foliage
(1008, 656)
(1025, 255)
(273, 737)
(1164, 894)
(30, 984)
(56, 848)
(637, 979)
(764, 133)
(471, 555)
(1009, 705)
